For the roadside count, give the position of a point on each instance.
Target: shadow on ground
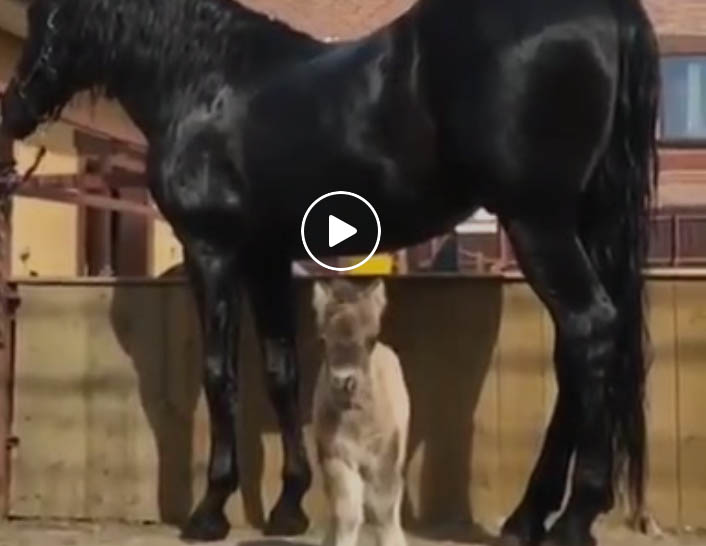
(444, 331)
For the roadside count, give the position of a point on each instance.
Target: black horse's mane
(169, 42)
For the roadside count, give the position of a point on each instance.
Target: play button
(339, 231)
(340, 224)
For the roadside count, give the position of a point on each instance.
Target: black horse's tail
(615, 231)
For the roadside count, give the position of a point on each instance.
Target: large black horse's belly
(356, 122)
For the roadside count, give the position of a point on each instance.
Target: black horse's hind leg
(561, 273)
(547, 484)
(272, 299)
(218, 295)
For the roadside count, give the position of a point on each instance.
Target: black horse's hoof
(520, 531)
(206, 527)
(508, 538)
(286, 520)
(563, 534)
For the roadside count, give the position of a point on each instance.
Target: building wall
(166, 249)
(44, 238)
(45, 233)
(678, 17)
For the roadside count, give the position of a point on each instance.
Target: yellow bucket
(380, 264)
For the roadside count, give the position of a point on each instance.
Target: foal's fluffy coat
(361, 414)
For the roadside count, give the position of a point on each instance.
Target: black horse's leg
(213, 277)
(272, 299)
(547, 484)
(561, 273)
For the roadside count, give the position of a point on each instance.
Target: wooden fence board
(112, 422)
(663, 492)
(522, 364)
(691, 354)
(50, 415)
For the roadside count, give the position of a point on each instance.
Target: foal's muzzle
(344, 384)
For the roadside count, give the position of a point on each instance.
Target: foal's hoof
(286, 520)
(206, 527)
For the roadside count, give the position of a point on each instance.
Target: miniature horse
(541, 111)
(360, 414)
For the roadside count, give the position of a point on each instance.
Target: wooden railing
(678, 241)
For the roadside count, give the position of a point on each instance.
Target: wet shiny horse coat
(541, 111)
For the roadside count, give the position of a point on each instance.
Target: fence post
(6, 309)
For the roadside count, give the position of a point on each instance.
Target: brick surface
(678, 17)
(333, 19)
(351, 18)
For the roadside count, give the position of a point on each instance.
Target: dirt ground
(86, 534)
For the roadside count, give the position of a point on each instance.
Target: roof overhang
(12, 17)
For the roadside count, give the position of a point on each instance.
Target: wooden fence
(109, 420)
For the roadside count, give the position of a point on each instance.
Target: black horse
(540, 110)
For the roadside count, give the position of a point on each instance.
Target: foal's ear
(320, 298)
(377, 295)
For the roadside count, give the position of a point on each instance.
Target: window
(684, 98)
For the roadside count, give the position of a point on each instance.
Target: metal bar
(6, 156)
(677, 240)
(96, 201)
(88, 181)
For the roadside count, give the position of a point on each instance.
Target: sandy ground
(80, 534)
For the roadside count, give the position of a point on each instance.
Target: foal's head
(348, 318)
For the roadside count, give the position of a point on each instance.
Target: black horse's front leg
(272, 296)
(213, 277)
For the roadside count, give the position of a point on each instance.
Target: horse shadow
(444, 331)
(157, 326)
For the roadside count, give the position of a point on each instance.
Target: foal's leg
(384, 505)
(559, 270)
(344, 488)
(273, 306)
(218, 296)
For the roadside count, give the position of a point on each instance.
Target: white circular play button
(339, 231)
(340, 223)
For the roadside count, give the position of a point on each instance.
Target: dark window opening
(683, 112)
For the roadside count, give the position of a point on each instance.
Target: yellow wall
(60, 157)
(9, 49)
(44, 238)
(45, 233)
(166, 249)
